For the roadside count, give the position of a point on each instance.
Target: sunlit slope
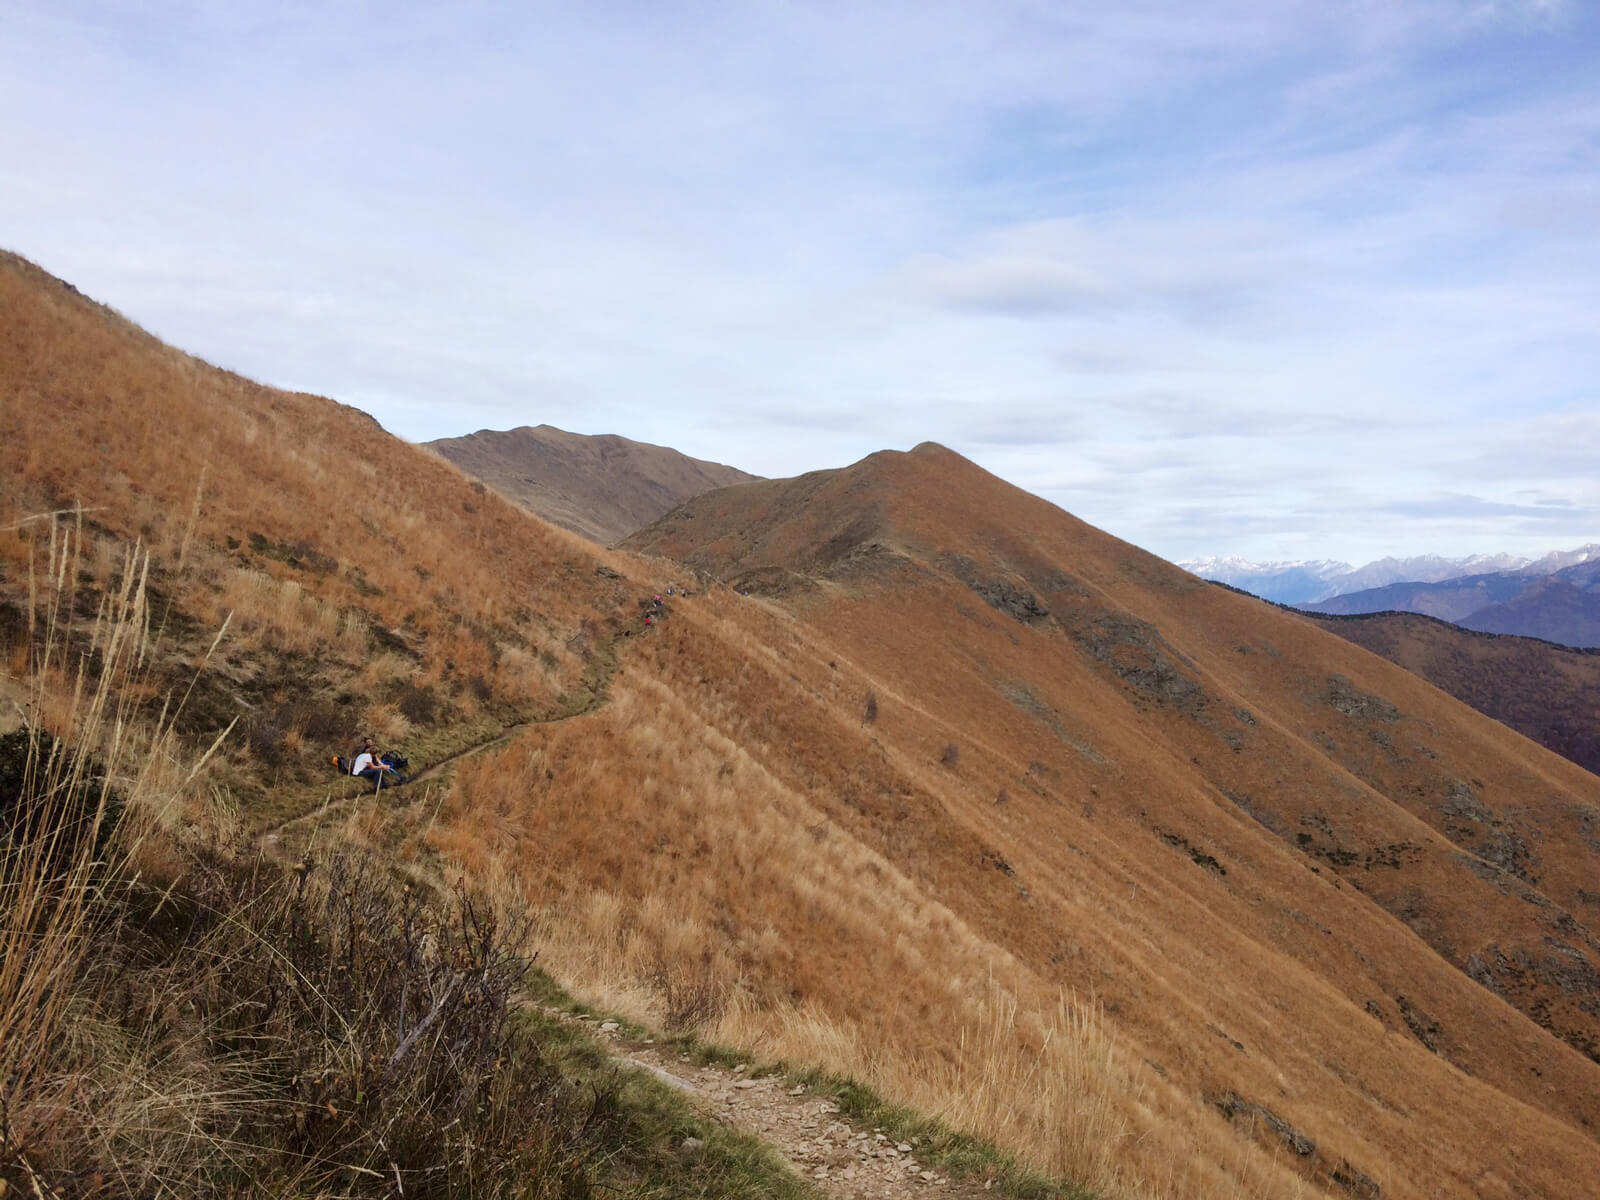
(372, 587)
(960, 757)
(1545, 691)
(1293, 872)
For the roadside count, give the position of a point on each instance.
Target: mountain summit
(1196, 799)
(602, 487)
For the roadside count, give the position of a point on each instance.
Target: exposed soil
(839, 1157)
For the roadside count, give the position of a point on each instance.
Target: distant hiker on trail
(373, 769)
(658, 601)
(647, 621)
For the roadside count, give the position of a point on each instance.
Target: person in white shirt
(374, 770)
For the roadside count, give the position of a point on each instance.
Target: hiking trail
(842, 1159)
(598, 687)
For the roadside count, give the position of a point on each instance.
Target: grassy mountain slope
(1165, 890)
(373, 588)
(1213, 814)
(1544, 691)
(602, 487)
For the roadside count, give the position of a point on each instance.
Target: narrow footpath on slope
(842, 1159)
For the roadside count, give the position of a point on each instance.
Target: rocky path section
(843, 1160)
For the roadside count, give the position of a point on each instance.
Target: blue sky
(1288, 279)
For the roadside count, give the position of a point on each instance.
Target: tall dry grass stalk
(181, 1017)
(91, 779)
(1052, 1082)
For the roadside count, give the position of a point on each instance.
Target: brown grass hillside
(1172, 893)
(1546, 692)
(372, 587)
(601, 486)
(1297, 877)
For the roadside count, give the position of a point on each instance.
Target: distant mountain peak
(601, 486)
(1312, 581)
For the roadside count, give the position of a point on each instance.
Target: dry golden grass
(352, 564)
(729, 841)
(1086, 932)
(179, 1017)
(678, 880)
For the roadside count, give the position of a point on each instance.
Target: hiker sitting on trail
(373, 769)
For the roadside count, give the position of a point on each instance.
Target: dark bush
(366, 1038)
(418, 704)
(48, 793)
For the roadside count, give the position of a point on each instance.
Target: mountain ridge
(1561, 605)
(1310, 581)
(600, 486)
(1159, 886)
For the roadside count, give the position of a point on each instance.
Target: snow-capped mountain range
(1307, 581)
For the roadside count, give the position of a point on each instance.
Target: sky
(1281, 279)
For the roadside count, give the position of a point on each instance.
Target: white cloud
(1222, 278)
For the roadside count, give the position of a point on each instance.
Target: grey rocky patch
(1461, 802)
(1264, 817)
(1002, 595)
(1343, 696)
(1478, 971)
(1235, 1107)
(1244, 715)
(1510, 853)
(1357, 1183)
(1568, 968)
(1139, 656)
(1016, 602)
(1423, 1027)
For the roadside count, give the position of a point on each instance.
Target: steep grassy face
(1169, 892)
(1315, 898)
(369, 587)
(1544, 691)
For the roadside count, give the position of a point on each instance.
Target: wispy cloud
(1236, 277)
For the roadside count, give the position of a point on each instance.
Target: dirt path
(273, 833)
(841, 1159)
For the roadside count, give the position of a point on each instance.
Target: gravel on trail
(842, 1160)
